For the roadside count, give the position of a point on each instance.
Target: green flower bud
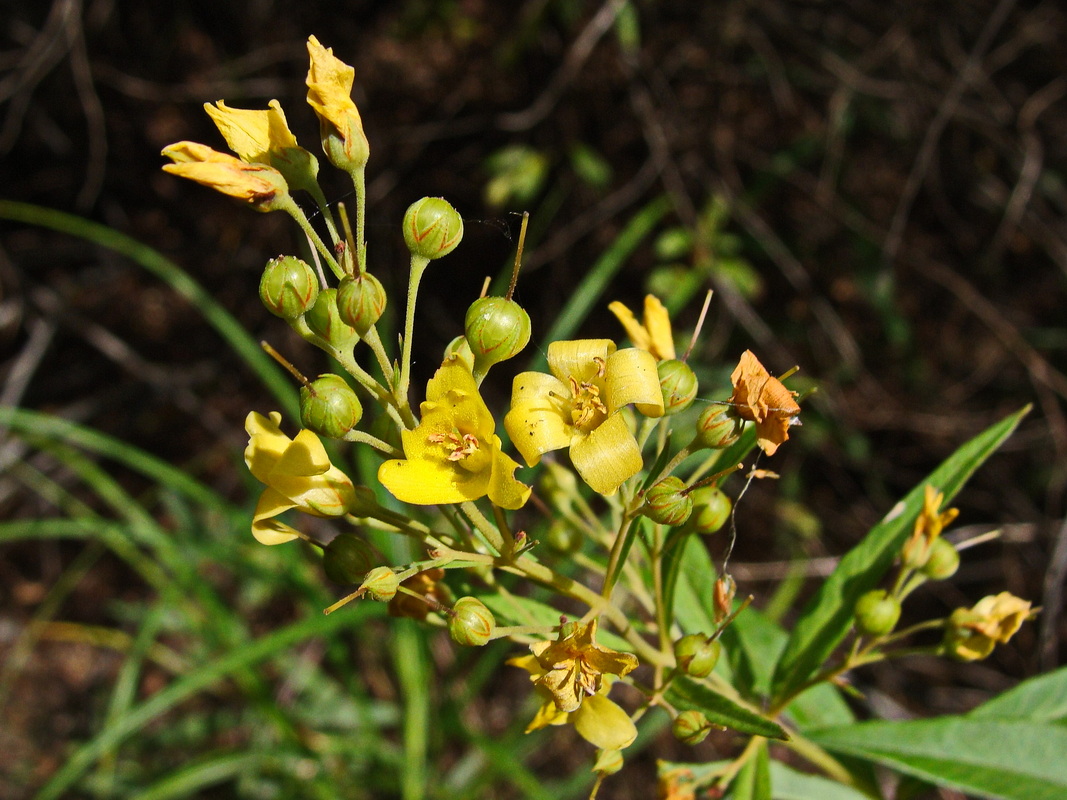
(678, 384)
(608, 762)
(943, 562)
(563, 537)
(347, 559)
(360, 301)
(380, 584)
(667, 502)
(432, 228)
(711, 509)
(329, 406)
(458, 348)
(691, 727)
(496, 329)
(471, 622)
(324, 319)
(696, 655)
(717, 428)
(288, 287)
(877, 613)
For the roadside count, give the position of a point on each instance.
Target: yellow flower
(761, 398)
(578, 406)
(454, 454)
(261, 186)
(263, 137)
(972, 633)
(329, 83)
(298, 474)
(928, 526)
(653, 333)
(573, 667)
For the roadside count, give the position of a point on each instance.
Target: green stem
(289, 206)
(359, 183)
(418, 267)
(324, 209)
(365, 438)
(484, 526)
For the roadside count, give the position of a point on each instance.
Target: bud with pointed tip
(496, 329)
(288, 287)
(691, 727)
(329, 406)
(678, 383)
(380, 584)
(717, 428)
(471, 622)
(360, 301)
(667, 502)
(697, 655)
(324, 319)
(432, 228)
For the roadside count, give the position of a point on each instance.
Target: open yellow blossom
(598, 720)
(928, 526)
(573, 665)
(653, 333)
(454, 454)
(972, 633)
(261, 186)
(329, 83)
(761, 398)
(262, 136)
(297, 473)
(578, 406)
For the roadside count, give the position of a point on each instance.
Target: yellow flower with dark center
(261, 186)
(763, 399)
(454, 454)
(578, 406)
(297, 473)
(972, 633)
(329, 82)
(263, 137)
(653, 333)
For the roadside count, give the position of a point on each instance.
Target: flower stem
(418, 267)
(290, 207)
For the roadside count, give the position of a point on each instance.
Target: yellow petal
(257, 184)
(634, 329)
(305, 456)
(329, 83)
(266, 443)
(246, 131)
(632, 378)
(538, 422)
(604, 724)
(431, 482)
(264, 528)
(607, 456)
(504, 489)
(658, 325)
(575, 358)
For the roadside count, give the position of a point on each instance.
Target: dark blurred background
(877, 190)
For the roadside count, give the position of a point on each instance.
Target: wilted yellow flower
(578, 406)
(263, 137)
(928, 526)
(261, 186)
(454, 454)
(763, 399)
(582, 670)
(653, 333)
(298, 474)
(972, 633)
(329, 83)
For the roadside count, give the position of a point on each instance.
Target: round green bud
(711, 509)
(329, 406)
(696, 655)
(471, 622)
(496, 329)
(943, 562)
(347, 559)
(691, 727)
(432, 228)
(380, 584)
(563, 537)
(288, 287)
(877, 613)
(324, 319)
(608, 762)
(667, 502)
(678, 383)
(717, 428)
(360, 301)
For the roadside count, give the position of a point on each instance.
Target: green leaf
(1008, 760)
(792, 785)
(828, 617)
(1040, 699)
(511, 609)
(694, 579)
(686, 694)
(753, 782)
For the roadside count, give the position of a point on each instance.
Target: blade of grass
(272, 377)
(413, 672)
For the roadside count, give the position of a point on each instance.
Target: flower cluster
(616, 496)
